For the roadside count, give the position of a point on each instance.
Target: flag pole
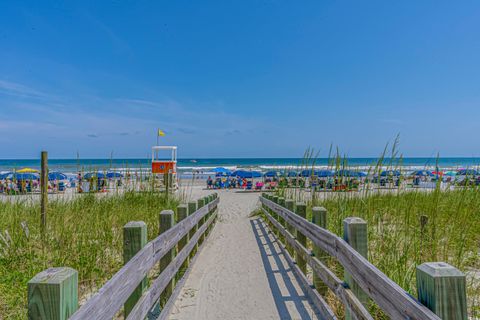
(157, 135)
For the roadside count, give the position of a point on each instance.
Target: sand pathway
(241, 273)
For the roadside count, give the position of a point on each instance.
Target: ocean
(205, 165)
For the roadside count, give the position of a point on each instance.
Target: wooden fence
(53, 293)
(441, 287)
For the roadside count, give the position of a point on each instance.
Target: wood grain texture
(110, 298)
(289, 205)
(328, 277)
(53, 294)
(182, 213)
(134, 239)
(166, 223)
(301, 210)
(442, 288)
(319, 217)
(355, 234)
(320, 304)
(192, 207)
(143, 306)
(389, 296)
(167, 309)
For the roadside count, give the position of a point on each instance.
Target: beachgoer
(209, 182)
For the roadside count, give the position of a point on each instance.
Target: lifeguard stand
(165, 166)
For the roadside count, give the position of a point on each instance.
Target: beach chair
(61, 186)
(249, 185)
(259, 186)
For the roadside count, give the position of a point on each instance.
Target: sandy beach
(240, 273)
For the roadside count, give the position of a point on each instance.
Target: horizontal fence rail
(128, 286)
(367, 280)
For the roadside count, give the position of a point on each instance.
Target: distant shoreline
(262, 164)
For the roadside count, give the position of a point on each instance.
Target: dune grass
(84, 233)
(398, 242)
(408, 228)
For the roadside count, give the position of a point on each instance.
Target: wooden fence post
(134, 239)
(192, 207)
(200, 204)
(442, 289)
(53, 294)
(319, 217)
(289, 205)
(166, 222)
(355, 234)
(44, 191)
(182, 213)
(301, 210)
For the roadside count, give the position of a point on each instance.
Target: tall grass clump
(84, 233)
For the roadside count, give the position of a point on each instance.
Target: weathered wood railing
(441, 287)
(53, 293)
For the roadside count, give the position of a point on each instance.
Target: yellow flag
(161, 133)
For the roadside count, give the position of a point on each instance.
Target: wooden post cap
(192, 207)
(355, 233)
(182, 212)
(442, 288)
(319, 216)
(53, 294)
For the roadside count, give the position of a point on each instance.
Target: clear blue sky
(239, 78)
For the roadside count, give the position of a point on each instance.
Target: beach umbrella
(450, 173)
(221, 170)
(347, 173)
(247, 174)
(467, 172)
(114, 175)
(324, 173)
(25, 176)
(56, 176)
(98, 175)
(6, 175)
(390, 173)
(422, 173)
(292, 174)
(317, 173)
(221, 174)
(27, 170)
(271, 174)
(307, 173)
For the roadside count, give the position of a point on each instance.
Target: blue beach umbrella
(271, 174)
(6, 175)
(347, 173)
(221, 170)
(247, 174)
(390, 173)
(25, 176)
(423, 173)
(98, 175)
(114, 175)
(292, 174)
(467, 172)
(307, 173)
(57, 176)
(324, 173)
(317, 173)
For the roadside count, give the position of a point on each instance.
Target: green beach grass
(84, 233)
(397, 242)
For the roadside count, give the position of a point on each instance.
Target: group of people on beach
(240, 183)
